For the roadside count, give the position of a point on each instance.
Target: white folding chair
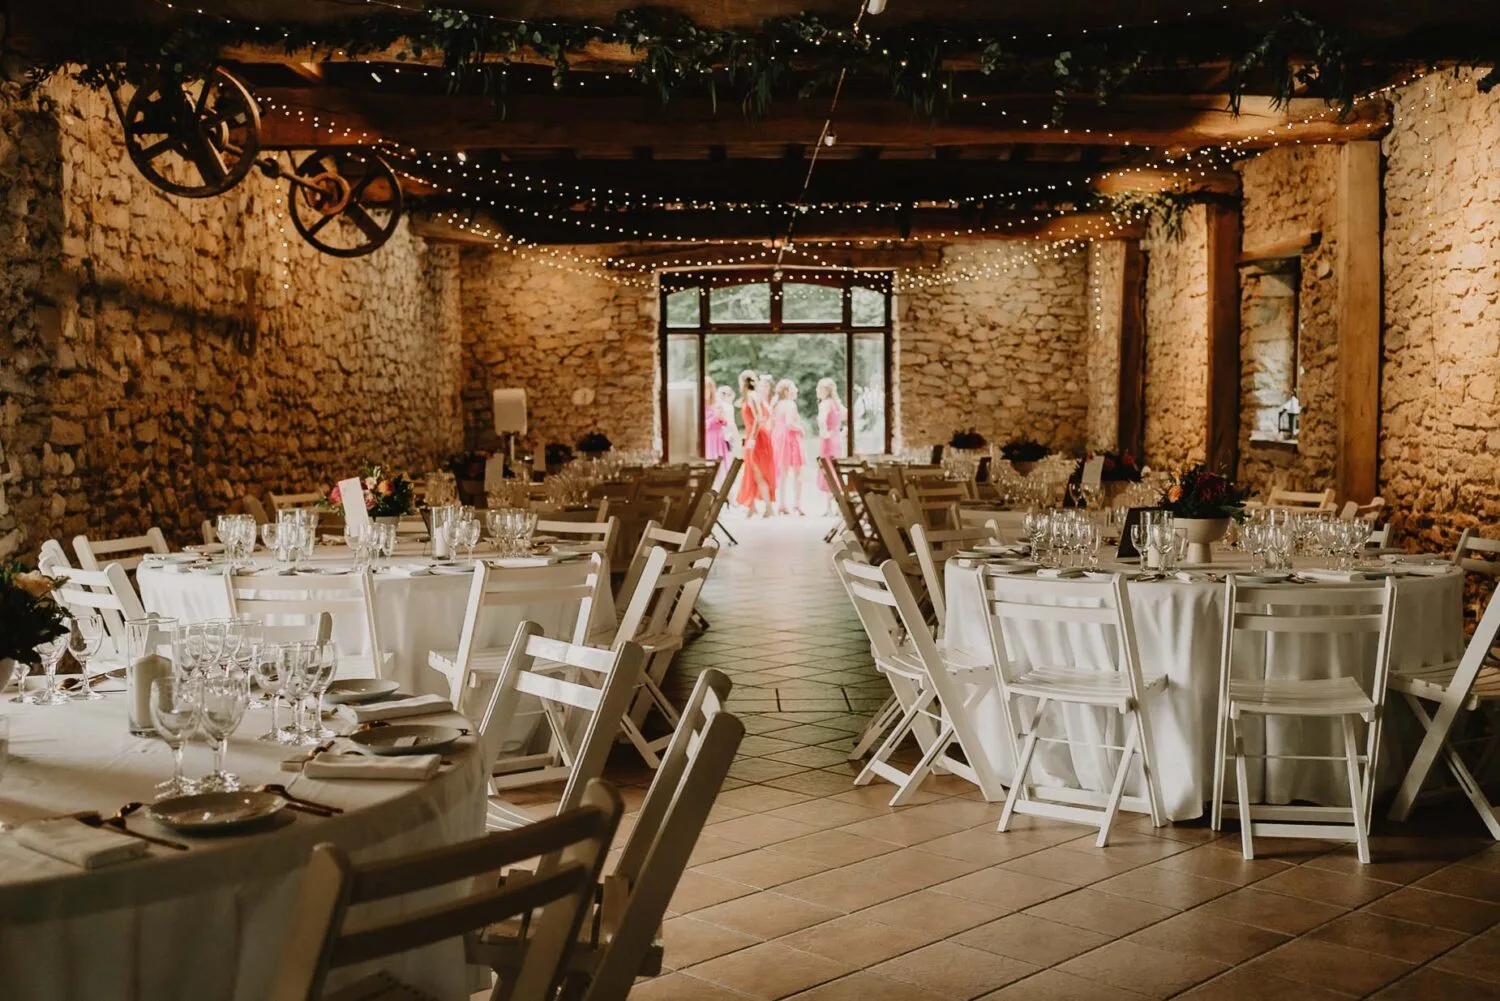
(1098, 665)
(255, 509)
(106, 593)
(135, 547)
(1453, 689)
(936, 696)
(1283, 620)
(583, 718)
(621, 939)
(325, 936)
(291, 607)
(933, 547)
(937, 504)
(1476, 554)
(287, 502)
(591, 535)
(1322, 500)
(653, 536)
(577, 582)
(885, 625)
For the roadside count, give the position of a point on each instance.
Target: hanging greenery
(1166, 209)
(797, 56)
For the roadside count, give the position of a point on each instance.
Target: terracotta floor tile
(1054, 985)
(867, 987)
(1063, 863)
(1033, 939)
(835, 847)
(902, 828)
(762, 769)
(1464, 881)
(1271, 911)
(1415, 943)
(710, 849)
(1335, 967)
(1228, 867)
(757, 830)
(822, 813)
(680, 987)
(761, 799)
(814, 782)
(686, 940)
(1479, 958)
(1402, 871)
(981, 844)
(770, 971)
(766, 915)
(1002, 887)
(1143, 969)
(1240, 984)
(1101, 912)
(1310, 883)
(1179, 890)
(1439, 909)
(1432, 984)
(938, 912)
(813, 757)
(696, 891)
(955, 971)
(762, 868)
(1201, 935)
(859, 936)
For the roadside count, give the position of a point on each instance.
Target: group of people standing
(772, 442)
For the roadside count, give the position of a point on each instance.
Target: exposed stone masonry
(1106, 268)
(1176, 341)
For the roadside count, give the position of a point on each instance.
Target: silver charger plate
(407, 738)
(215, 812)
(357, 691)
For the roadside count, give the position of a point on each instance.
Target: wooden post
(1221, 438)
(1131, 409)
(1358, 270)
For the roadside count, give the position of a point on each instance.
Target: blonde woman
(787, 433)
(831, 417)
(725, 406)
(758, 481)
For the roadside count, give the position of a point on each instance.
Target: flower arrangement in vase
(386, 495)
(594, 444)
(967, 441)
(1203, 502)
(1024, 453)
(1121, 467)
(28, 614)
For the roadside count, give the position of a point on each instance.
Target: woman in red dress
(758, 483)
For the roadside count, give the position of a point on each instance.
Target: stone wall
(584, 349)
(1288, 193)
(1176, 341)
(1440, 441)
(1106, 266)
(171, 355)
(1004, 353)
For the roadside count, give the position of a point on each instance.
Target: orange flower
(1174, 494)
(35, 583)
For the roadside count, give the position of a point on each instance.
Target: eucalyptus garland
(798, 56)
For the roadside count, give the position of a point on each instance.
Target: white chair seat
(963, 667)
(1106, 688)
(1323, 697)
(1431, 682)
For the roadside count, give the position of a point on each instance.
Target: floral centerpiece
(558, 454)
(968, 441)
(1023, 454)
(1203, 502)
(1121, 467)
(468, 465)
(594, 443)
(28, 613)
(386, 495)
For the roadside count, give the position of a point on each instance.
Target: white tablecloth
(412, 614)
(1179, 629)
(209, 922)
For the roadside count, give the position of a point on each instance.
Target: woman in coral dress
(790, 458)
(758, 482)
(831, 416)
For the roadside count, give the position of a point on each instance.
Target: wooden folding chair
(1097, 618)
(621, 938)
(598, 537)
(327, 932)
(106, 593)
(135, 547)
(292, 608)
(287, 502)
(255, 509)
(1322, 500)
(651, 537)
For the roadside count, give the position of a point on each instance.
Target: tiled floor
(804, 886)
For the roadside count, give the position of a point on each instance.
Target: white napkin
(76, 843)
(1335, 576)
(522, 562)
(417, 705)
(415, 767)
(1060, 572)
(1424, 569)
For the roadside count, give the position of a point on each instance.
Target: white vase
(1202, 533)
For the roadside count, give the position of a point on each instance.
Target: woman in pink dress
(715, 444)
(787, 432)
(758, 481)
(831, 416)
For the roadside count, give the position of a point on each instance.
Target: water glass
(174, 712)
(85, 636)
(222, 700)
(296, 682)
(267, 669)
(51, 652)
(18, 672)
(323, 664)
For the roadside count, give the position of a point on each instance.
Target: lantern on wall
(1289, 418)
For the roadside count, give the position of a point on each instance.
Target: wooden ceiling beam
(441, 122)
(1158, 180)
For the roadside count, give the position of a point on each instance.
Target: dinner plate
(448, 568)
(1011, 566)
(216, 812)
(1272, 577)
(326, 571)
(407, 738)
(165, 558)
(358, 691)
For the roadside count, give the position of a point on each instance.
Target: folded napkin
(1061, 572)
(1424, 569)
(1335, 576)
(72, 841)
(522, 562)
(414, 767)
(417, 705)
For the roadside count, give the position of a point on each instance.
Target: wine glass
(51, 652)
(222, 701)
(18, 672)
(270, 535)
(266, 666)
(245, 634)
(296, 665)
(174, 711)
(84, 640)
(323, 664)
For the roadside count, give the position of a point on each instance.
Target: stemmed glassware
(296, 682)
(174, 711)
(18, 672)
(51, 652)
(85, 637)
(267, 666)
(323, 664)
(223, 698)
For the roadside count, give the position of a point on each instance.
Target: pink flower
(335, 498)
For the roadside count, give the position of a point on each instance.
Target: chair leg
(1221, 763)
(873, 729)
(639, 742)
(1023, 766)
(729, 538)
(1472, 790)
(924, 768)
(1117, 787)
(1433, 739)
(1356, 788)
(888, 746)
(1148, 766)
(1242, 782)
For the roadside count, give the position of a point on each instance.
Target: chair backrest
(1096, 616)
(555, 898)
(1313, 612)
(666, 593)
(1470, 543)
(1372, 511)
(938, 503)
(255, 509)
(1380, 536)
(881, 624)
(666, 831)
(1476, 654)
(597, 537)
(585, 748)
(1093, 472)
(1318, 501)
(725, 478)
(283, 502)
(933, 547)
(293, 607)
(52, 559)
(135, 546)
(106, 593)
(653, 536)
(887, 522)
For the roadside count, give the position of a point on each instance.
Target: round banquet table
(209, 922)
(1179, 630)
(416, 609)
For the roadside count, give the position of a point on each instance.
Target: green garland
(799, 56)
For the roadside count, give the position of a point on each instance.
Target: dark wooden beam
(1148, 180)
(1282, 249)
(442, 122)
(1131, 414)
(1221, 436)
(1358, 270)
